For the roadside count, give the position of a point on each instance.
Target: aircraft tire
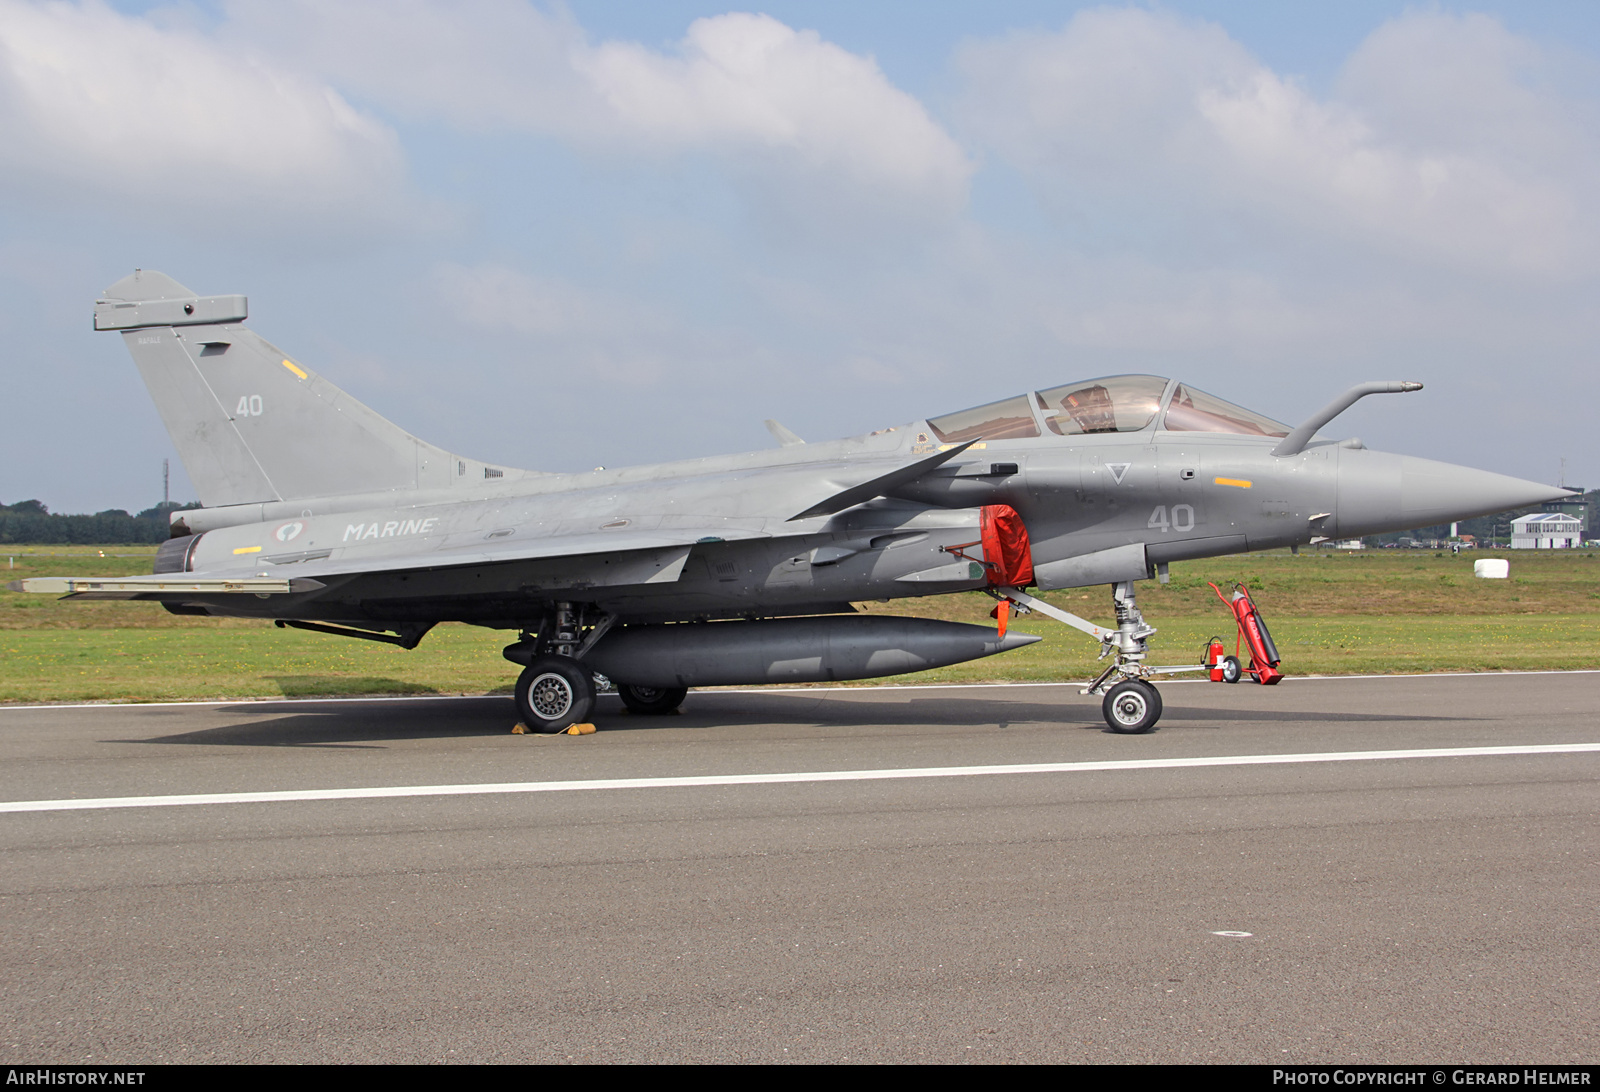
(651, 701)
(553, 693)
(1231, 671)
(1131, 707)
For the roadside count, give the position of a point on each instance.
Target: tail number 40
(1182, 518)
(249, 406)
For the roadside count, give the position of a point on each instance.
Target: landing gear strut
(1132, 704)
(555, 689)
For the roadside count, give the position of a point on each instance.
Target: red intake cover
(1005, 546)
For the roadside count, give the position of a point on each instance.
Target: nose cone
(1433, 492)
(1380, 492)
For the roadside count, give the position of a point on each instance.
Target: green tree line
(30, 523)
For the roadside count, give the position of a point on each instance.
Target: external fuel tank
(790, 650)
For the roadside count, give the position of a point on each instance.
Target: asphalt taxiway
(1335, 870)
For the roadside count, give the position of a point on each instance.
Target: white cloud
(1433, 151)
(1112, 91)
(750, 83)
(746, 88)
(97, 102)
(255, 114)
(1311, 160)
(1433, 82)
(475, 64)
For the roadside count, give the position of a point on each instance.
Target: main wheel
(1131, 707)
(1231, 671)
(652, 700)
(554, 693)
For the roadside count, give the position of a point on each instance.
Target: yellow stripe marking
(248, 550)
(1240, 482)
(297, 371)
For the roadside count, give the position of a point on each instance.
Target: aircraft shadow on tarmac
(358, 724)
(312, 686)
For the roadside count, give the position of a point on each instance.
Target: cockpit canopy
(1117, 403)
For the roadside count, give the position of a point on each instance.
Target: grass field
(1330, 613)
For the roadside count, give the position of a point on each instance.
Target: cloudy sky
(561, 236)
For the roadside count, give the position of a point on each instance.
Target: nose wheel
(1131, 707)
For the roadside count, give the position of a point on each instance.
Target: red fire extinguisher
(1214, 654)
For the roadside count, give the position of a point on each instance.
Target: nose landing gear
(1131, 704)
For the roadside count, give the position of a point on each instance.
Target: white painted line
(252, 702)
(1074, 683)
(808, 777)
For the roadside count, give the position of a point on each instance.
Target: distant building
(1572, 506)
(1546, 531)
(1576, 507)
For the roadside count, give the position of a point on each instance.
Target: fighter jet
(320, 514)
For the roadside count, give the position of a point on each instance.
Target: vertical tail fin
(252, 424)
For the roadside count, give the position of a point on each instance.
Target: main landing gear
(555, 690)
(553, 693)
